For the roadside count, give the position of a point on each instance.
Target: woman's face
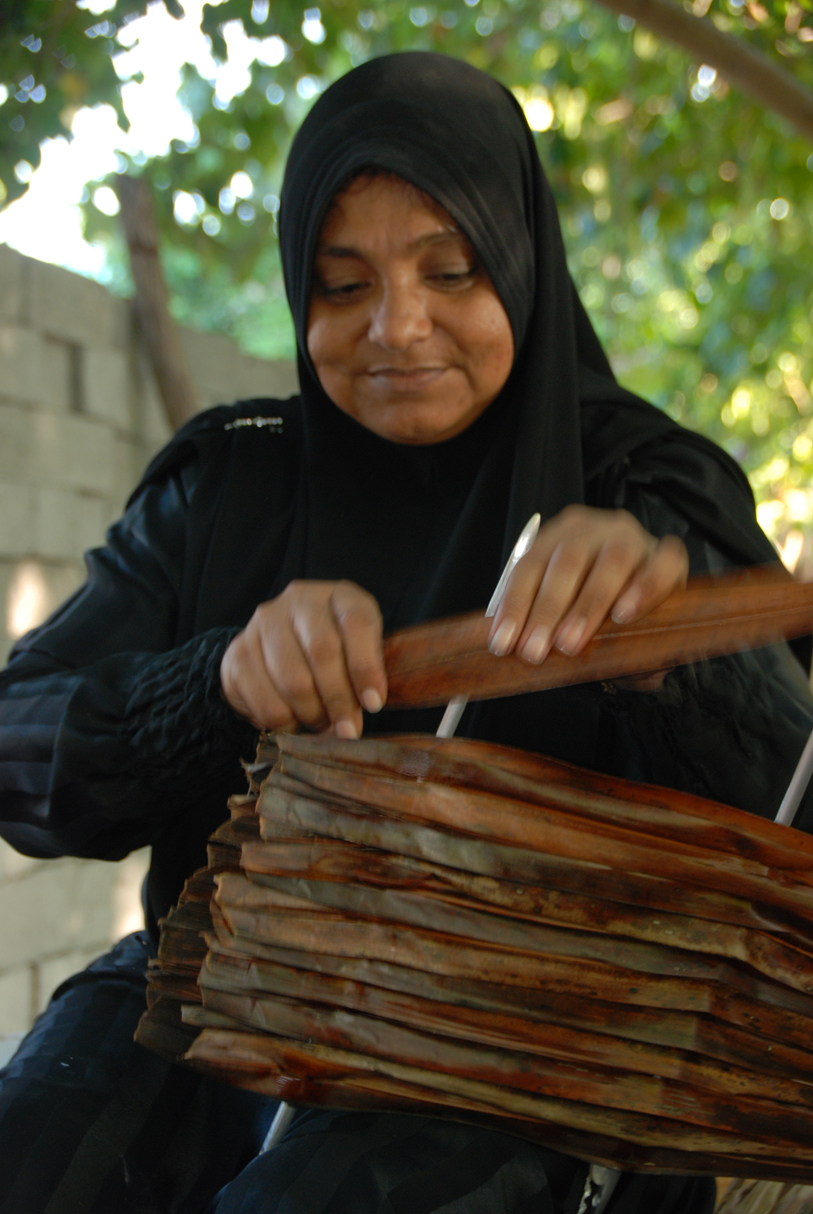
(405, 330)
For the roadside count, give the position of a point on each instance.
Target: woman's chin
(414, 429)
(417, 423)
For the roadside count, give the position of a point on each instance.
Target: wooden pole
(740, 63)
(157, 328)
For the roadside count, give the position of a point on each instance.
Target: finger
(322, 648)
(359, 622)
(615, 565)
(666, 570)
(286, 662)
(511, 628)
(247, 686)
(566, 572)
(521, 591)
(515, 604)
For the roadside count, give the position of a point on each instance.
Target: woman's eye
(453, 278)
(342, 290)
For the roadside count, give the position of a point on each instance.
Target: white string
(797, 787)
(279, 1126)
(457, 705)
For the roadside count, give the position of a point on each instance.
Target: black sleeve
(108, 724)
(729, 728)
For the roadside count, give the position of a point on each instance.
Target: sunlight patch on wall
(128, 911)
(29, 599)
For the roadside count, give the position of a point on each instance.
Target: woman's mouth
(406, 379)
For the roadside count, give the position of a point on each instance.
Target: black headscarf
(427, 530)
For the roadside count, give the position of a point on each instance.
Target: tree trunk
(157, 328)
(741, 64)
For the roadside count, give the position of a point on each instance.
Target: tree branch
(158, 330)
(741, 64)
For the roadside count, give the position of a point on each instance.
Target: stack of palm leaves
(454, 928)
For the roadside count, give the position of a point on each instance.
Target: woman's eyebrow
(334, 250)
(450, 234)
(422, 242)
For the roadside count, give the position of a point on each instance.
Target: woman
(451, 386)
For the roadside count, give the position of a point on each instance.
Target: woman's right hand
(312, 656)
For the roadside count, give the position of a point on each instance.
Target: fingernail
(536, 647)
(626, 607)
(346, 729)
(569, 637)
(500, 643)
(372, 700)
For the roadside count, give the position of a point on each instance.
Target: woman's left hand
(585, 565)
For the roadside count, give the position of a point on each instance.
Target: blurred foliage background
(687, 209)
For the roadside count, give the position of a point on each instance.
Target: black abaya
(113, 732)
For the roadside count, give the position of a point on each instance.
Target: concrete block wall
(79, 420)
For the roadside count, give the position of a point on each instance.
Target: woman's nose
(400, 317)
